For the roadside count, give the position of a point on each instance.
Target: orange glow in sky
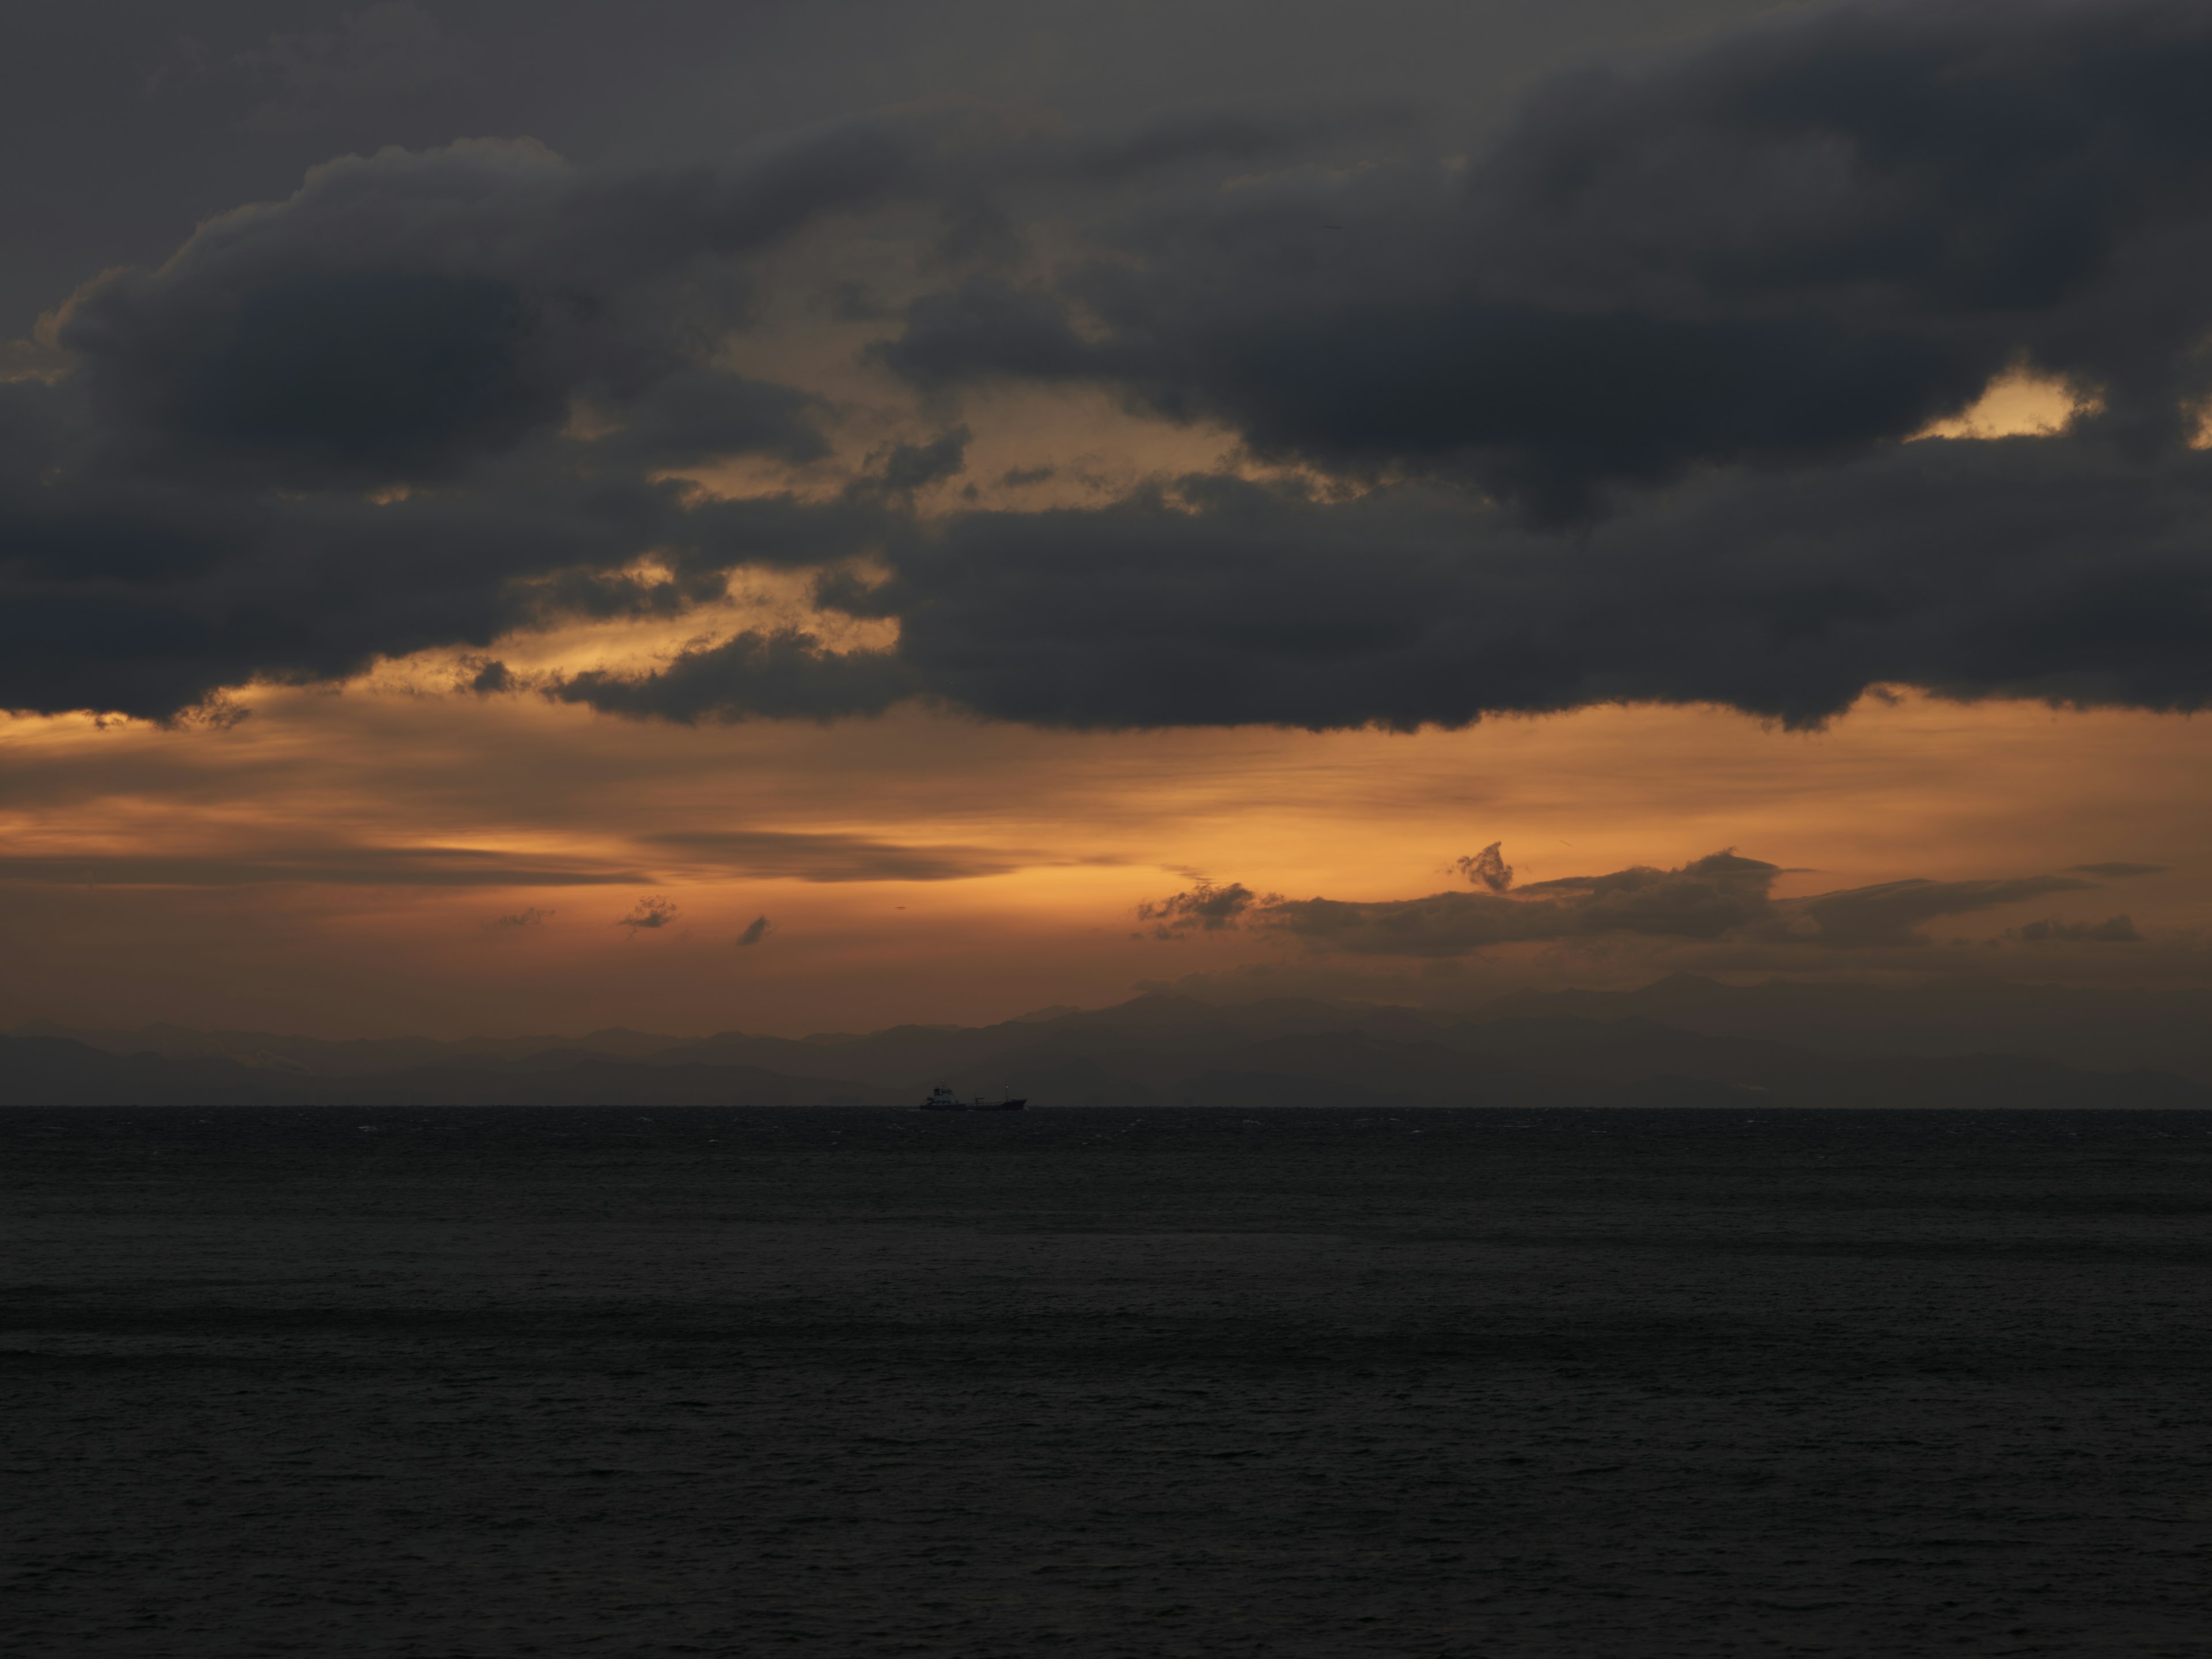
(390, 857)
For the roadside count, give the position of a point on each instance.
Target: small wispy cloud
(756, 930)
(1488, 868)
(531, 917)
(649, 913)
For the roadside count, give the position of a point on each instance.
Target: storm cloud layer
(332, 428)
(1622, 408)
(1805, 243)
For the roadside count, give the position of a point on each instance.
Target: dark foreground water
(856, 1384)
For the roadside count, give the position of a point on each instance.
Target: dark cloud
(492, 678)
(143, 599)
(756, 930)
(403, 314)
(145, 118)
(1238, 138)
(786, 673)
(1712, 896)
(313, 377)
(1891, 912)
(1203, 907)
(1694, 312)
(2120, 870)
(1722, 896)
(338, 426)
(2026, 568)
(906, 468)
(824, 856)
(649, 914)
(2113, 930)
(698, 415)
(1804, 242)
(392, 52)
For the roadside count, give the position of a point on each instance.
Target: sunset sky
(529, 518)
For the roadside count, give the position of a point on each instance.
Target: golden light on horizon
(923, 864)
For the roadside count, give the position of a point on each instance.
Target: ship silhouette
(942, 1099)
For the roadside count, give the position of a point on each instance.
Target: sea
(1117, 1384)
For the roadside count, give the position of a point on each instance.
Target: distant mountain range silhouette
(1682, 1041)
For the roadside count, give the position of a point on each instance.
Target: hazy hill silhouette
(40, 1070)
(345, 1057)
(1682, 1041)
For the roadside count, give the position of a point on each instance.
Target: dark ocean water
(1303, 1383)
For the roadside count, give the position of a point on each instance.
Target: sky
(524, 518)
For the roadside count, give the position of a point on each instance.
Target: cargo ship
(942, 1099)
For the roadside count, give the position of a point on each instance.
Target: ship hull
(975, 1105)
